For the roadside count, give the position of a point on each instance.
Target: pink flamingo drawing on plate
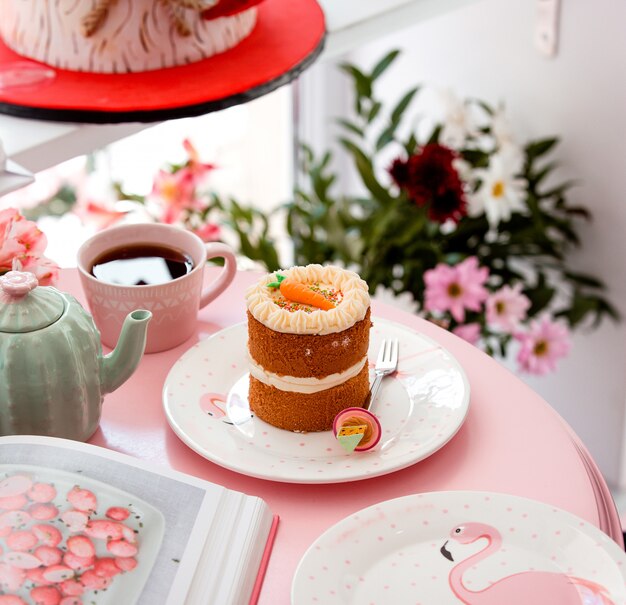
(529, 587)
(213, 404)
(216, 406)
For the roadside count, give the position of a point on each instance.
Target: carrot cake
(308, 335)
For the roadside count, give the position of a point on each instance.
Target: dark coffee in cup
(141, 265)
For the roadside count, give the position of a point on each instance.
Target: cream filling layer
(299, 384)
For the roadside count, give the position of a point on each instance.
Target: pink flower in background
(174, 193)
(542, 346)
(200, 169)
(22, 245)
(45, 270)
(456, 288)
(99, 214)
(9, 248)
(209, 232)
(468, 332)
(507, 307)
(28, 236)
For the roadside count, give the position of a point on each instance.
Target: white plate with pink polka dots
(461, 547)
(420, 408)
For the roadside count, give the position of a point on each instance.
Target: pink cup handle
(214, 289)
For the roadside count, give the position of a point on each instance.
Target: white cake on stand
(119, 36)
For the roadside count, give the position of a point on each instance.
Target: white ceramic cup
(174, 304)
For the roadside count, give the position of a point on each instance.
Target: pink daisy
(456, 288)
(507, 307)
(542, 346)
(468, 332)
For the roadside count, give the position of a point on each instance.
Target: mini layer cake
(308, 335)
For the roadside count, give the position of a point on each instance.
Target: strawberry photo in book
(82, 524)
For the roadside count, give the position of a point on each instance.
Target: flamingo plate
(461, 547)
(420, 409)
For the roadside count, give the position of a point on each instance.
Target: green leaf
(485, 106)
(540, 147)
(386, 136)
(436, 133)
(276, 284)
(411, 144)
(362, 82)
(351, 127)
(400, 108)
(578, 211)
(374, 111)
(366, 171)
(580, 307)
(476, 157)
(383, 64)
(583, 279)
(540, 296)
(535, 179)
(560, 190)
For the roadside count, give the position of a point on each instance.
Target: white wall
(486, 50)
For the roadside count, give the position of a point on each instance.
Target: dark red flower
(450, 205)
(430, 179)
(400, 172)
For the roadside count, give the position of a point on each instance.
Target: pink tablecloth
(511, 442)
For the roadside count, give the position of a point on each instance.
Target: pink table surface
(512, 442)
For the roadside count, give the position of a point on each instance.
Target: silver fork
(386, 363)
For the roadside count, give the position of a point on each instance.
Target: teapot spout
(119, 365)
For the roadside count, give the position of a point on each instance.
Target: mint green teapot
(53, 375)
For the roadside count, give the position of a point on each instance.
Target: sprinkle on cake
(308, 335)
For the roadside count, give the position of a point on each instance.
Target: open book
(97, 527)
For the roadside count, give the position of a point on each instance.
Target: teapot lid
(24, 307)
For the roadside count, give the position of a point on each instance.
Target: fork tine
(394, 351)
(390, 352)
(381, 352)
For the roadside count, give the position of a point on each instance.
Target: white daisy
(501, 192)
(504, 138)
(501, 129)
(458, 122)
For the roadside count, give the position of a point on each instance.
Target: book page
(107, 526)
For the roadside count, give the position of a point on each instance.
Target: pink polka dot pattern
(418, 417)
(394, 552)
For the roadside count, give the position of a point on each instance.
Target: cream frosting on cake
(350, 290)
(300, 384)
(109, 36)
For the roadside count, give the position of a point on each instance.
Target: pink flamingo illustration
(536, 587)
(213, 404)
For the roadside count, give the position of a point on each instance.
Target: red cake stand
(288, 37)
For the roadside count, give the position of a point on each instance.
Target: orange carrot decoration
(301, 293)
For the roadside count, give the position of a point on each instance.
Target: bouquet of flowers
(22, 245)
(463, 220)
